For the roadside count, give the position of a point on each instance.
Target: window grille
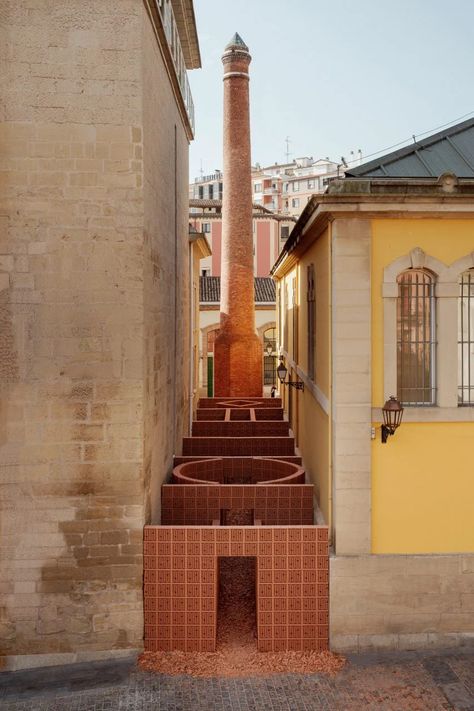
(466, 339)
(416, 341)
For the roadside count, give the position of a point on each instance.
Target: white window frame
(465, 338)
(446, 295)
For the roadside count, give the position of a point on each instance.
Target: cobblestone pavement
(392, 682)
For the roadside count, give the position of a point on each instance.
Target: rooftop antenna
(287, 152)
(201, 170)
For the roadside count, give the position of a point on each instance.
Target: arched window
(269, 357)
(416, 338)
(466, 339)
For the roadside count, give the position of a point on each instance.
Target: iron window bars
(466, 339)
(416, 338)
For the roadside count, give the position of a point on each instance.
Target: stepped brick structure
(238, 351)
(268, 499)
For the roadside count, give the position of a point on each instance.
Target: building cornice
(388, 198)
(160, 34)
(186, 23)
(199, 240)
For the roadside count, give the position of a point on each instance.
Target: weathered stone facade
(93, 267)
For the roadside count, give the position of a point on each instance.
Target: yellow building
(375, 291)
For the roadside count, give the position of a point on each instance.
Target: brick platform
(181, 585)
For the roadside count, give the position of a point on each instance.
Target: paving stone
(397, 681)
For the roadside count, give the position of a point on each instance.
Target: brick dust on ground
(236, 654)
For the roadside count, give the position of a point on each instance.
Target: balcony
(170, 27)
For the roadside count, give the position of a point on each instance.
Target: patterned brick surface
(229, 461)
(239, 446)
(200, 505)
(268, 413)
(392, 682)
(235, 470)
(272, 428)
(180, 585)
(240, 403)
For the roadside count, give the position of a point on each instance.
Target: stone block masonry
(92, 249)
(401, 601)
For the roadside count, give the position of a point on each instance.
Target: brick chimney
(238, 356)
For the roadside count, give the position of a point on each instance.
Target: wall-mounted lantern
(392, 413)
(282, 373)
(269, 349)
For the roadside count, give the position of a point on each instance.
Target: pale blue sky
(334, 75)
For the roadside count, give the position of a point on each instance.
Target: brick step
(239, 446)
(240, 414)
(258, 402)
(278, 428)
(233, 462)
(199, 505)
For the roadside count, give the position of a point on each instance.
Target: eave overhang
(425, 197)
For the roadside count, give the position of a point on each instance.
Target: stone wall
(351, 396)
(166, 274)
(401, 601)
(85, 249)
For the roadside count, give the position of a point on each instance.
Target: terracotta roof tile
(210, 290)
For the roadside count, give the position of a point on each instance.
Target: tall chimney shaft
(238, 351)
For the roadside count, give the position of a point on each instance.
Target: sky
(334, 76)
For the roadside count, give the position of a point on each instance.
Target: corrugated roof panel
(465, 143)
(407, 166)
(443, 157)
(451, 150)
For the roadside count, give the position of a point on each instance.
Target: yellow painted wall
(423, 489)
(314, 443)
(445, 239)
(313, 422)
(309, 420)
(319, 255)
(423, 478)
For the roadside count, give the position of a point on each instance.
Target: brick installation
(207, 492)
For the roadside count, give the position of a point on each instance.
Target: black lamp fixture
(392, 413)
(282, 373)
(269, 348)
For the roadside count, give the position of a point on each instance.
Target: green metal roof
(237, 41)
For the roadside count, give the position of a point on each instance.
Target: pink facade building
(269, 230)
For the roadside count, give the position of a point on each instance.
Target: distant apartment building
(282, 187)
(207, 187)
(306, 177)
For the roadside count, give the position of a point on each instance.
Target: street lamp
(392, 413)
(282, 373)
(269, 348)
